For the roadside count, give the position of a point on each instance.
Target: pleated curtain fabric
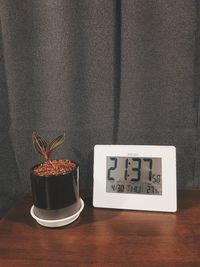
(102, 72)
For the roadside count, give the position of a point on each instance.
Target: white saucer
(60, 222)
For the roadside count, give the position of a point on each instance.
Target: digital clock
(135, 177)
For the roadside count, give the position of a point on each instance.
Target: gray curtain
(102, 72)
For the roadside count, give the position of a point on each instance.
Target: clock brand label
(134, 175)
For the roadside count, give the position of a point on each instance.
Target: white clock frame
(167, 202)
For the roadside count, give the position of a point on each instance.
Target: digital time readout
(134, 175)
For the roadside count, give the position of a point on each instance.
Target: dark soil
(54, 167)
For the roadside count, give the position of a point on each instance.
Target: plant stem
(51, 164)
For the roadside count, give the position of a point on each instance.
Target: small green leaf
(40, 144)
(56, 142)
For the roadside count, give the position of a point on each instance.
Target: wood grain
(103, 237)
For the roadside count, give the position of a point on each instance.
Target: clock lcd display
(134, 175)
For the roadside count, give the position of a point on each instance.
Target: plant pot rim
(57, 175)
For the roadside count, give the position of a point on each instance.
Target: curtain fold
(103, 72)
(10, 183)
(157, 80)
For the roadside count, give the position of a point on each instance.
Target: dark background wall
(102, 72)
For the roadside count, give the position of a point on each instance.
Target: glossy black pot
(56, 196)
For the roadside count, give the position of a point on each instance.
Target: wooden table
(103, 237)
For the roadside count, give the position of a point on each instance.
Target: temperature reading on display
(134, 175)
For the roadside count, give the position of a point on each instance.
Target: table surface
(105, 237)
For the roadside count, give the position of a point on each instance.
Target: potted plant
(54, 186)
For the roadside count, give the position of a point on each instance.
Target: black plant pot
(55, 197)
